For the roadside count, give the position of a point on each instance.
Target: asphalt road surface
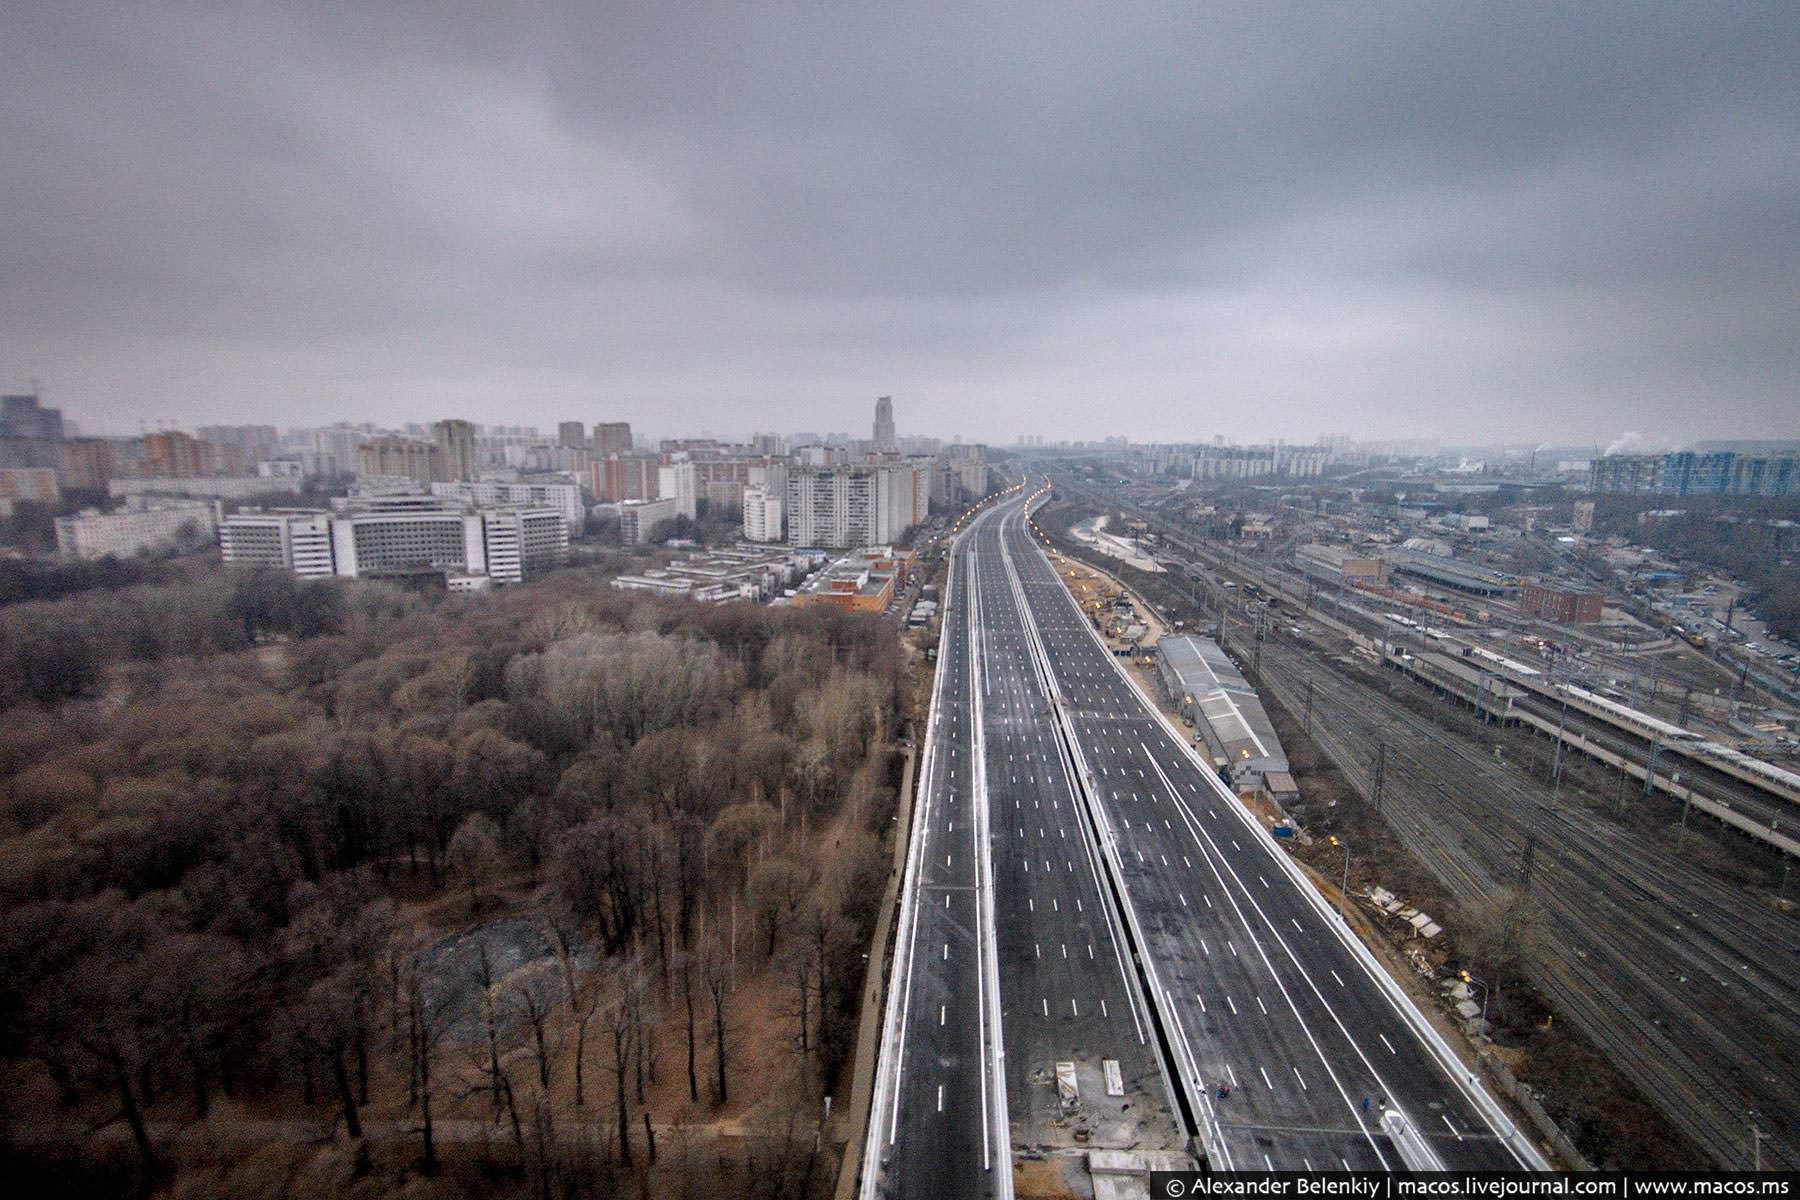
(1048, 789)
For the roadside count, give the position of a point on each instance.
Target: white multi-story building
(676, 481)
(293, 541)
(401, 535)
(140, 529)
(638, 519)
(762, 514)
(224, 487)
(861, 505)
(518, 542)
(561, 495)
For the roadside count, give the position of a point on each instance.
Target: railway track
(1688, 1006)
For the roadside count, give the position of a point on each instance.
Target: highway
(938, 1124)
(1281, 1024)
(1249, 1018)
(1069, 992)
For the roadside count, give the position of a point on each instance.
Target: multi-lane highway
(1321, 1060)
(938, 1125)
(1063, 824)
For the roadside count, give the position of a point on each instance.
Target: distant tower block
(885, 441)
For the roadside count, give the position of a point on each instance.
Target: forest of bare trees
(326, 884)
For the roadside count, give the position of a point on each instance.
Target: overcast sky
(1457, 220)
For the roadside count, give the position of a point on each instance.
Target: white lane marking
(1201, 1001)
(1301, 1078)
(1267, 1082)
(1261, 1005)
(941, 1009)
(1336, 976)
(1233, 1004)
(1073, 1007)
(1046, 1000)
(1453, 1129)
(1387, 1043)
(946, 951)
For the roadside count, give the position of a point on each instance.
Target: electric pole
(1380, 772)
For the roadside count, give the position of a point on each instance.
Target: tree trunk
(134, 1116)
(621, 1049)
(346, 1098)
(718, 1003)
(581, 1027)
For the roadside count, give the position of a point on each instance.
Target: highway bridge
(1121, 905)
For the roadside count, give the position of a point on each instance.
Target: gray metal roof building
(1228, 717)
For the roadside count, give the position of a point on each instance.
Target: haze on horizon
(1161, 221)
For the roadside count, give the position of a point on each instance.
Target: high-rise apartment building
(624, 477)
(402, 457)
(762, 513)
(861, 505)
(612, 437)
(572, 435)
(175, 455)
(86, 463)
(24, 417)
(885, 441)
(238, 448)
(456, 451)
(1691, 473)
(677, 481)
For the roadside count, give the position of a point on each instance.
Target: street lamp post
(1344, 887)
(1468, 978)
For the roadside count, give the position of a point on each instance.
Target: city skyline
(1159, 223)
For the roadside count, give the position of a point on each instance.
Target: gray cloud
(1168, 221)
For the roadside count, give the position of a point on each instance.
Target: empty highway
(1264, 995)
(1060, 822)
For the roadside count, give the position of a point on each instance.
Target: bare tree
(581, 991)
(426, 1025)
(718, 990)
(499, 1083)
(474, 854)
(536, 991)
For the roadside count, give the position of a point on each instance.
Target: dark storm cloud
(1162, 221)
